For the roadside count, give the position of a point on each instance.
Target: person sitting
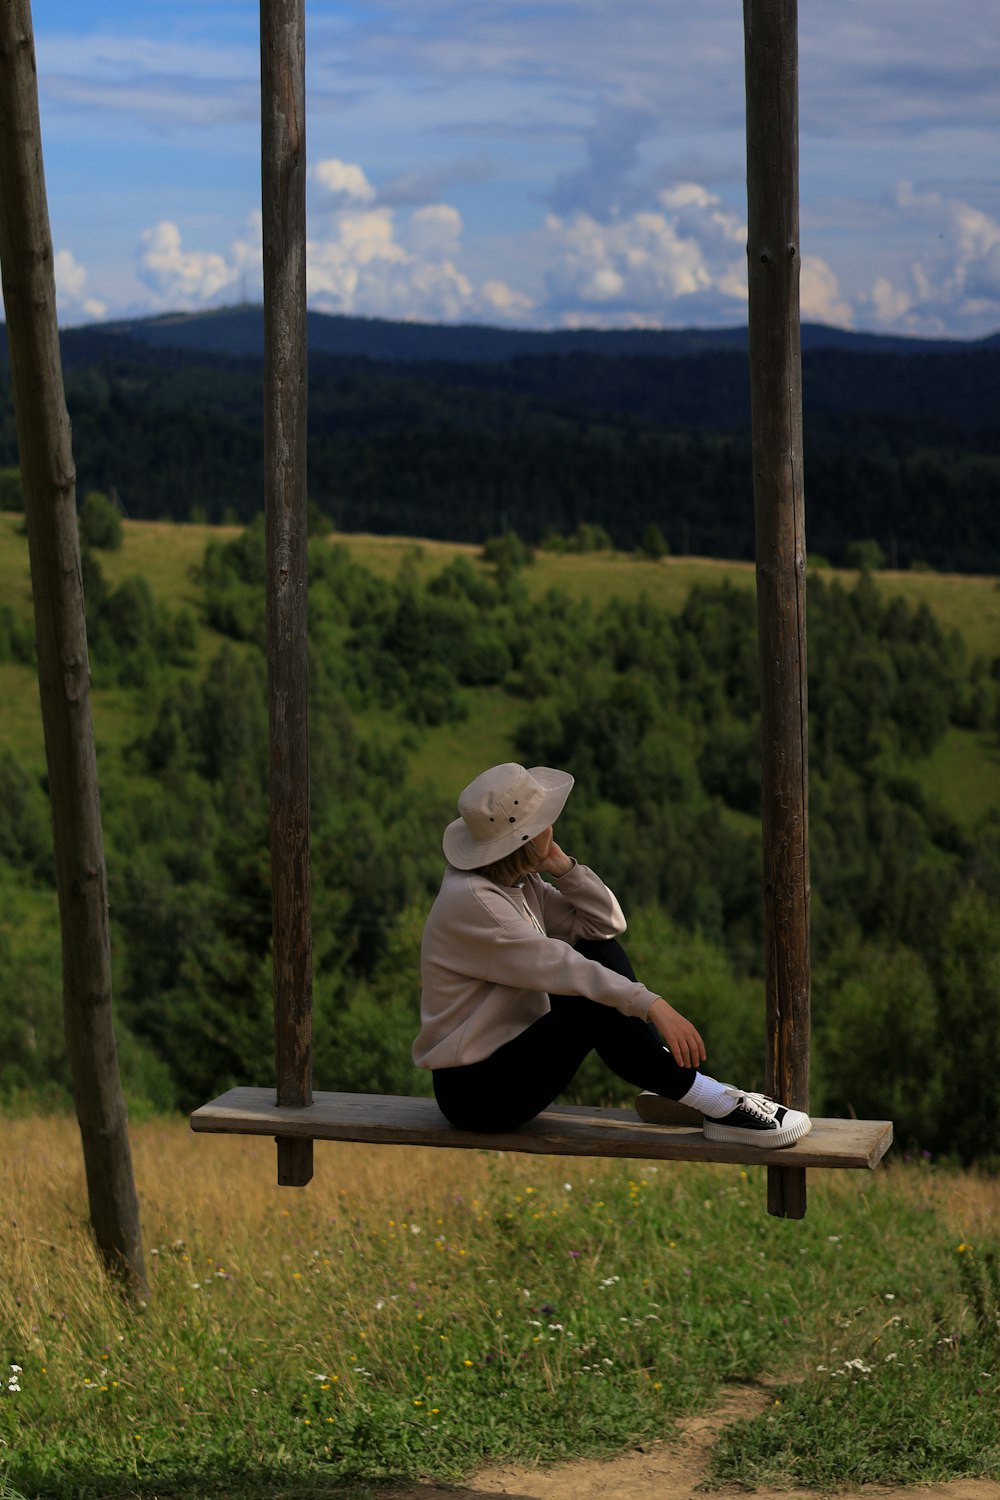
(522, 977)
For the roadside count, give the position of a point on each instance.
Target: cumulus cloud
(71, 288)
(182, 278)
(341, 182)
(436, 230)
(820, 300)
(956, 281)
(683, 258)
(376, 261)
(502, 301)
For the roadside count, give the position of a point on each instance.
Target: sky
(565, 163)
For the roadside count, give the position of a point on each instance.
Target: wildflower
(962, 1248)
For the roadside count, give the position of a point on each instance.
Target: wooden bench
(563, 1130)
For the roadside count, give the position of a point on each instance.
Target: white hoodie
(491, 955)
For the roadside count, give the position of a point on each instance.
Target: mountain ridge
(238, 332)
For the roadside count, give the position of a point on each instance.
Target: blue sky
(556, 164)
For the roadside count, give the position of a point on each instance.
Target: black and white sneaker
(756, 1120)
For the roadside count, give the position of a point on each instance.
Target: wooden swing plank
(563, 1130)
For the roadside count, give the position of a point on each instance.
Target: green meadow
(412, 1315)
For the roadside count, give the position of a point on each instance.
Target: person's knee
(608, 952)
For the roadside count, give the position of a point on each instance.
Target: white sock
(709, 1095)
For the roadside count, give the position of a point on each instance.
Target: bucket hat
(501, 810)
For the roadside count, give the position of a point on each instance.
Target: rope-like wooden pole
(771, 40)
(283, 182)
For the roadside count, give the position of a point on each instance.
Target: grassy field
(412, 1314)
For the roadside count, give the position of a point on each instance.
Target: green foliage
(655, 713)
(653, 544)
(100, 523)
(867, 556)
(17, 642)
(904, 451)
(11, 489)
(508, 554)
(25, 831)
(587, 537)
(317, 524)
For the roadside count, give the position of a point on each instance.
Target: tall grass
(414, 1313)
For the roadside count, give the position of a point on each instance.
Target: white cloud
(819, 294)
(184, 278)
(71, 283)
(640, 262)
(501, 300)
(436, 230)
(955, 284)
(889, 303)
(342, 181)
(652, 266)
(378, 264)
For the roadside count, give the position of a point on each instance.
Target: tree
(49, 479)
(100, 523)
(866, 556)
(654, 543)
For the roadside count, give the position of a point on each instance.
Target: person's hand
(551, 860)
(686, 1046)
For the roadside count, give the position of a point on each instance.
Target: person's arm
(580, 905)
(680, 1036)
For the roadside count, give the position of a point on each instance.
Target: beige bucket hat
(501, 810)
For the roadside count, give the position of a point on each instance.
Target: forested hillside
(900, 447)
(654, 711)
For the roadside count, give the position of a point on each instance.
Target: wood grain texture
(773, 263)
(563, 1130)
(48, 475)
(283, 200)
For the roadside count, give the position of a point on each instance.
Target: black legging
(524, 1076)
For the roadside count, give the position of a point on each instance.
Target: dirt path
(666, 1472)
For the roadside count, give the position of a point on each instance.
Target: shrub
(100, 523)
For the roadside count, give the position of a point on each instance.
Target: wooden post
(283, 174)
(49, 482)
(771, 42)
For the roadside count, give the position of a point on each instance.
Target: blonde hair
(510, 869)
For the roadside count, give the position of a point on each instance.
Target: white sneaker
(756, 1120)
